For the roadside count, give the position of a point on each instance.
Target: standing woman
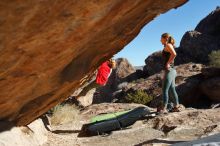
(169, 55)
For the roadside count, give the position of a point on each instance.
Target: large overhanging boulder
(49, 48)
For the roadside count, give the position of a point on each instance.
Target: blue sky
(176, 22)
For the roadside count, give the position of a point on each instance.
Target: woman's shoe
(162, 111)
(176, 109)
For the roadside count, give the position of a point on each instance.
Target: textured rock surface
(211, 24)
(211, 85)
(124, 68)
(153, 63)
(188, 125)
(125, 72)
(209, 72)
(88, 98)
(195, 47)
(34, 134)
(211, 88)
(48, 47)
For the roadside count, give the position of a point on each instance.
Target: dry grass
(63, 114)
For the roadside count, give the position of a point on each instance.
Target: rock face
(34, 134)
(124, 72)
(211, 24)
(49, 48)
(87, 99)
(153, 63)
(210, 72)
(211, 85)
(188, 124)
(124, 68)
(211, 88)
(195, 46)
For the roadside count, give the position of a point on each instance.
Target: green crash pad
(103, 117)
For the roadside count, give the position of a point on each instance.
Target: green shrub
(139, 96)
(214, 58)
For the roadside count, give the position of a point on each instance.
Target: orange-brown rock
(48, 47)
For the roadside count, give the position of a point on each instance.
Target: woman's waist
(171, 65)
(171, 69)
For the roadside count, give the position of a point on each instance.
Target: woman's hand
(167, 66)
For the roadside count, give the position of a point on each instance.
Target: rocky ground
(186, 125)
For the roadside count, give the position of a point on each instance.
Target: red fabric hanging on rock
(103, 74)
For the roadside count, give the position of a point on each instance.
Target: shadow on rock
(5, 125)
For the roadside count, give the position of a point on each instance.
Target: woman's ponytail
(171, 40)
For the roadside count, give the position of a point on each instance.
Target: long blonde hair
(169, 38)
